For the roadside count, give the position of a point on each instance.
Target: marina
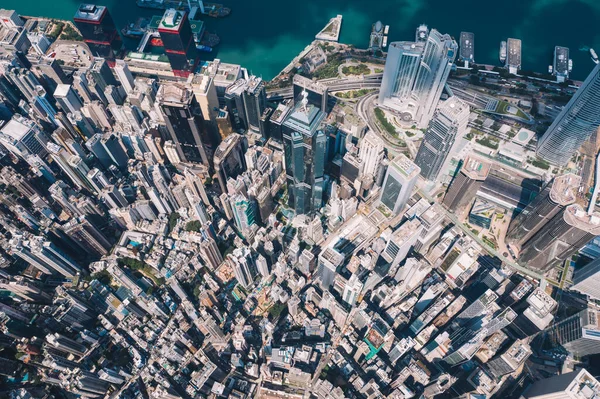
(513, 60)
(562, 64)
(467, 47)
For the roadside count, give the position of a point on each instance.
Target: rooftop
(90, 12)
(405, 166)
(476, 168)
(171, 20)
(564, 189)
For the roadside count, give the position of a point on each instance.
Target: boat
(594, 55)
(216, 10)
(550, 68)
(502, 51)
(204, 48)
(570, 65)
(210, 39)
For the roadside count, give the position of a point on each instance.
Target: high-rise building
(574, 385)
(88, 236)
(400, 179)
(178, 39)
(304, 146)
(45, 256)
(243, 265)
(101, 74)
(255, 102)
(184, 123)
(124, 75)
(415, 74)
(575, 123)
(67, 98)
(587, 279)
(510, 360)
(444, 132)
(565, 234)
(372, 153)
(209, 252)
(579, 334)
(352, 290)
(318, 94)
(22, 137)
(554, 198)
(66, 345)
(244, 212)
(98, 30)
(229, 160)
(463, 188)
(329, 261)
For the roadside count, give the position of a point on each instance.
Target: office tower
(574, 385)
(587, 280)
(255, 101)
(578, 334)
(115, 95)
(565, 234)
(178, 39)
(101, 74)
(68, 100)
(98, 30)
(400, 179)
(444, 132)
(205, 91)
(552, 200)
(466, 183)
(24, 289)
(124, 75)
(88, 236)
(243, 266)
(194, 182)
(351, 167)
(537, 316)
(114, 148)
(415, 74)
(50, 73)
(352, 290)
(328, 262)
(511, 360)
(244, 212)
(234, 99)
(210, 254)
(304, 146)
(22, 137)
(372, 153)
(477, 309)
(577, 121)
(318, 94)
(229, 160)
(45, 256)
(401, 241)
(184, 123)
(66, 345)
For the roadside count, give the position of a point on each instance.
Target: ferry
(204, 48)
(550, 69)
(502, 51)
(594, 55)
(570, 65)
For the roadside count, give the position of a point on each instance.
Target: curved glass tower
(575, 124)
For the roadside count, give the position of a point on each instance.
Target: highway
(334, 84)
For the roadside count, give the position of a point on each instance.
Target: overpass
(334, 84)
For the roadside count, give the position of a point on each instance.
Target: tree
(194, 225)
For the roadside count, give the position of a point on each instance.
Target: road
(334, 84)
(365, 108)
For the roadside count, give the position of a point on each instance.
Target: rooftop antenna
(304, 101)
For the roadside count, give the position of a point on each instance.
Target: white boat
(594, 55)
(550, 68)
(502, 51)
(570, 65)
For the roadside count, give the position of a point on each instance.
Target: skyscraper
(554, 198)
(318, 94)
(124, 75)
(229, 160)
(371, 153)
(561, 237)
(178, 39)
(67, 98)
(184, 122)
(574, 385)
(98, 30)
(88, 236)
(400, 179)
(45, 256)
(304, 146)
(243, 265)
(579, 334)
(329, 261)
(587, 279)
(445, 130)
(415, 74)
(575, 124)
(255, 102)
(464, 187)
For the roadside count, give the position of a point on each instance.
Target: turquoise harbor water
(264, 35)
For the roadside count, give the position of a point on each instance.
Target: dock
(467, 47)
(561, 63)
(331, 31)
(513, 60)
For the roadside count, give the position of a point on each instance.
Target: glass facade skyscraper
(305, 146)
(575, 124)
(415, 74)
(400, 179)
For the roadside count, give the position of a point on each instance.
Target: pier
(331, 31)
